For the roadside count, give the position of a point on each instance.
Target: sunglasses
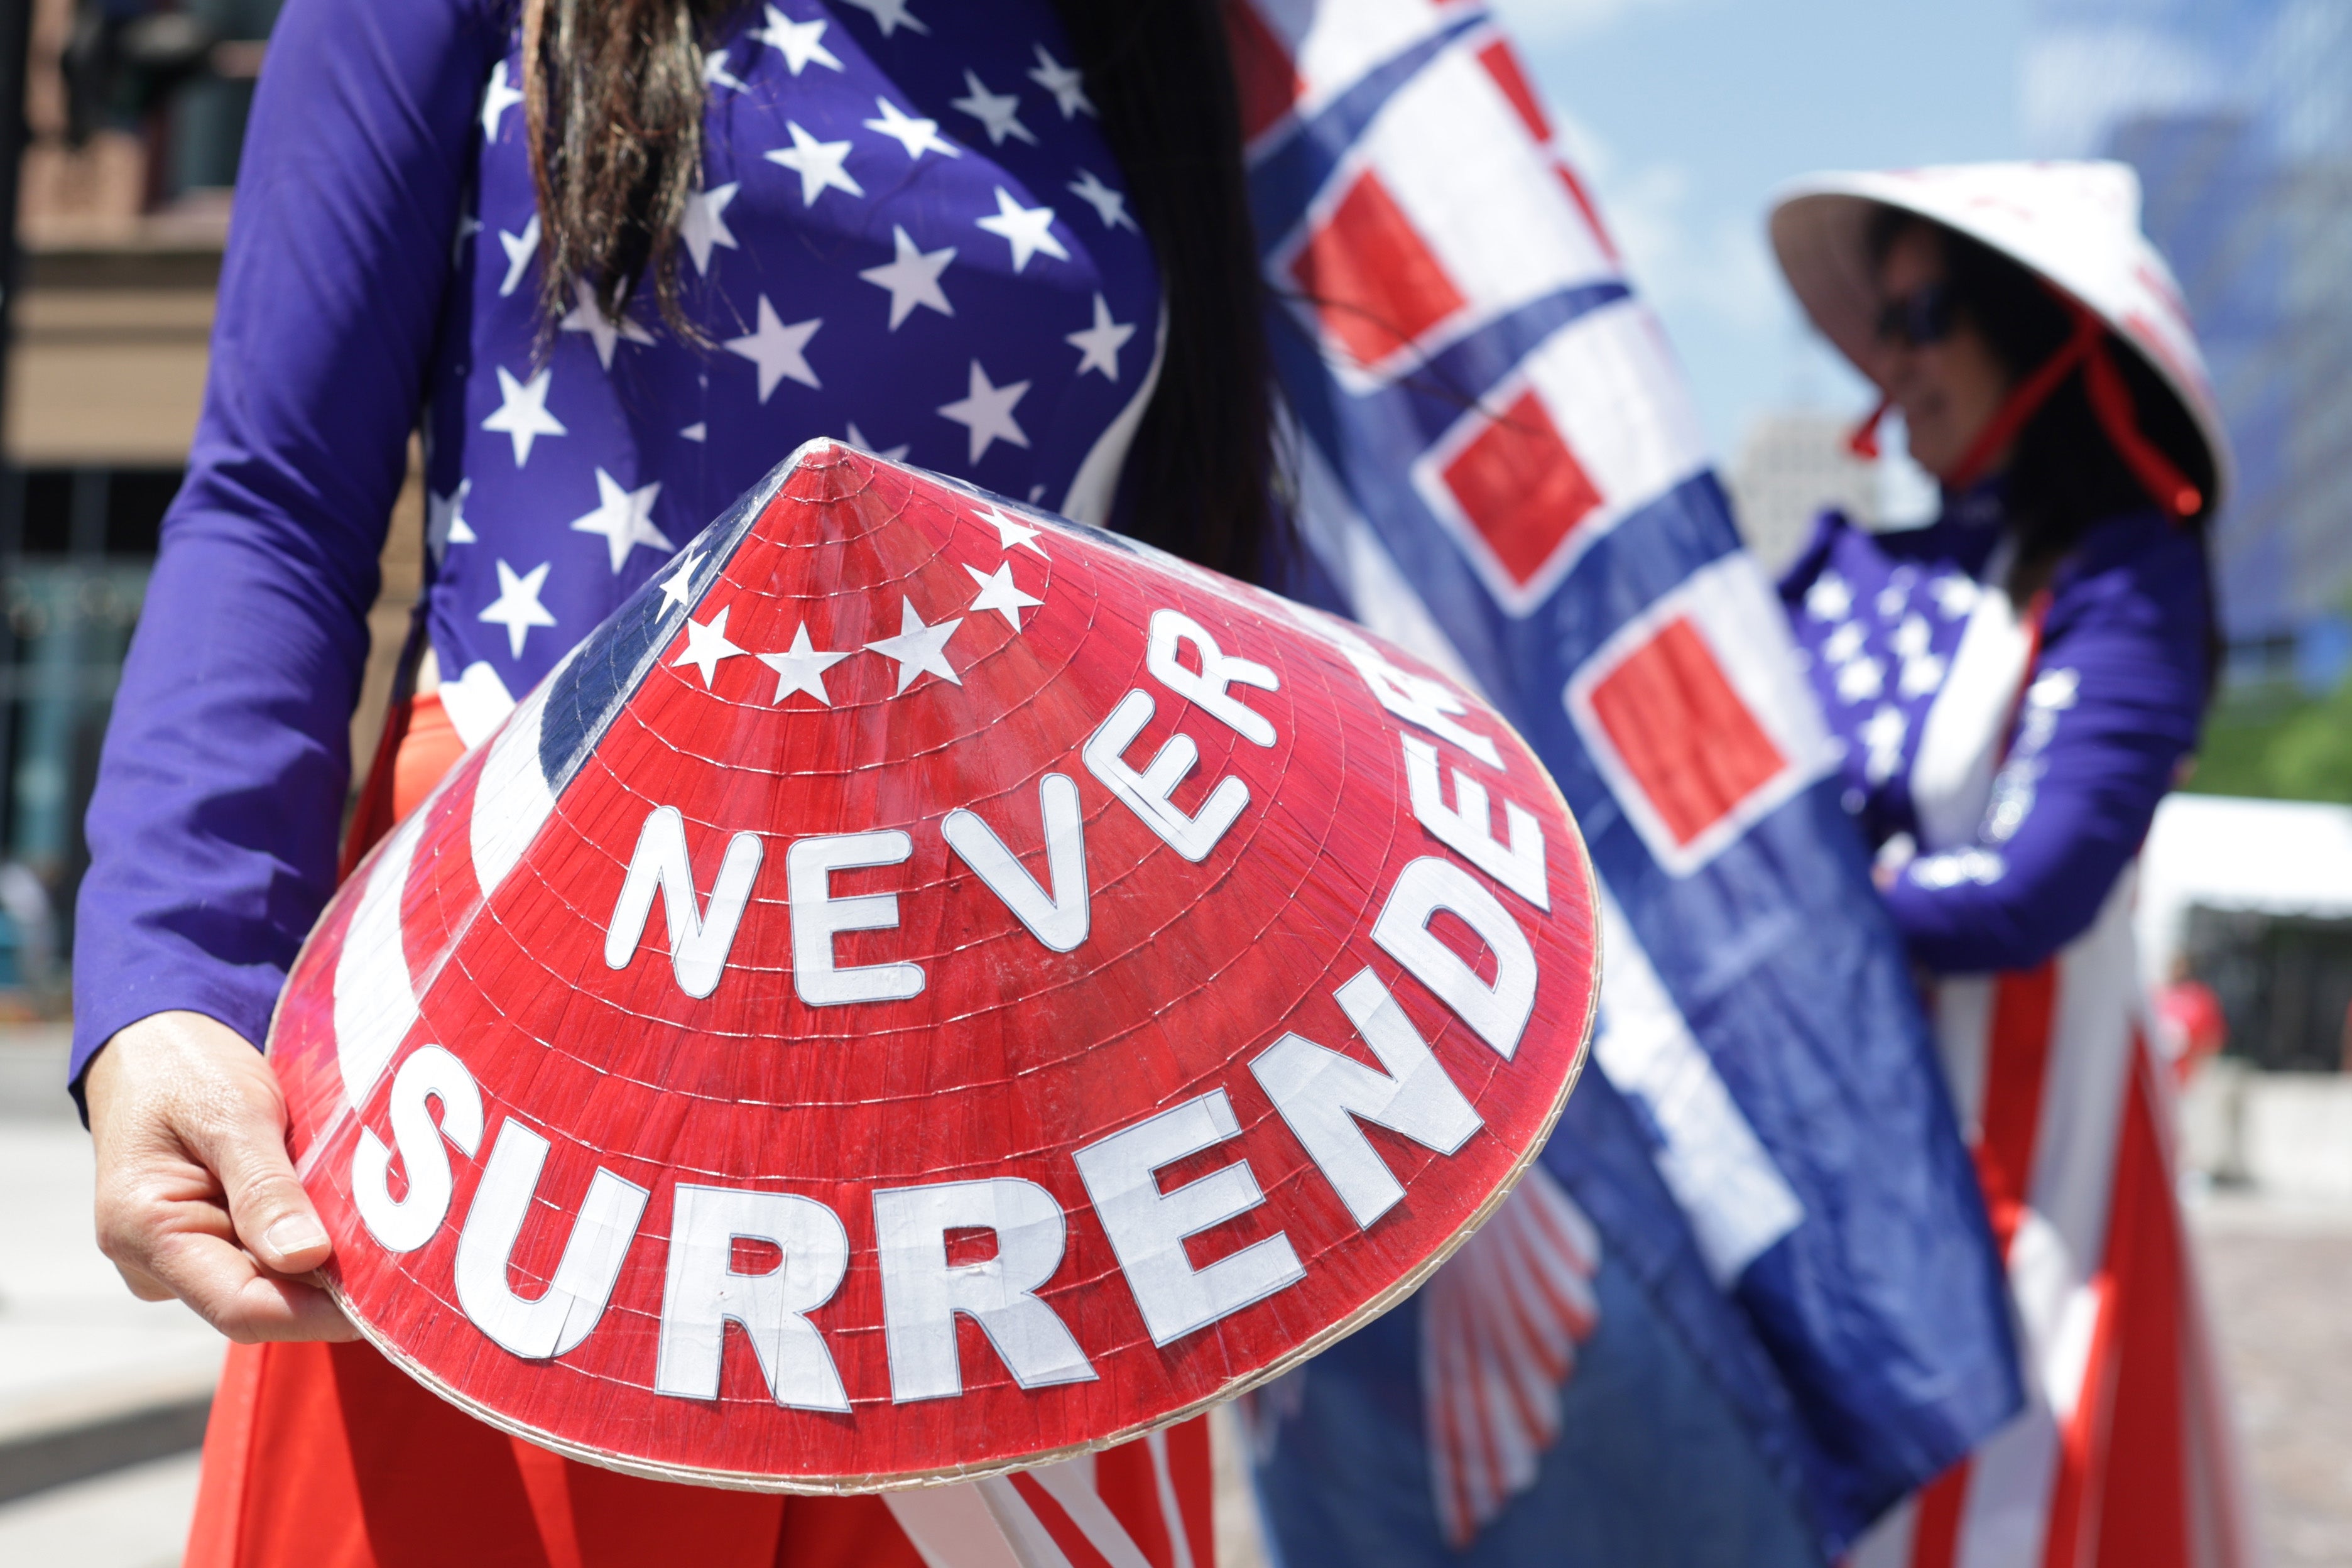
(1922, 317)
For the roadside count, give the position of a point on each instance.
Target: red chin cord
(2110, 404)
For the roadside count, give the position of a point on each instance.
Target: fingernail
(294, 1233)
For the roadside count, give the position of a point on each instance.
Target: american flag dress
(910, 233)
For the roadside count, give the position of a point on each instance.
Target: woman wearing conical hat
(2013, 688)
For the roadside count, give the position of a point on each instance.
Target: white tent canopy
(2276, 857)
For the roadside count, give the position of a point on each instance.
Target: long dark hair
(614, 100)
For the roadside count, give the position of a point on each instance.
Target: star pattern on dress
(587, 316)
(1099, 346)
(1110, 205)
(1011, 531)
(916, 135)
(516, 607)
(820, 164)
(497, 99)
(918, 649)
(1830, 598)
(678, 587)
(986, 411)
(468, 225)
(704, 223)
(521, 415)
(998, 592)
(897, 454)
(444, 519)
(623, 518)
(715, 71)
(801, 667)
(1955, 595)
(1067, 85)
(775, 347)
(1027, 230)
(1884, 733)
(707, 645)
(799, 42)
(520, 249)
(913, 277)
(891, 15)
(998, 112)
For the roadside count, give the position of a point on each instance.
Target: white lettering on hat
(1209, 690)
(1059, 919)
(922, 1292)
(404, 1224)
(1415, 698)
(703, 1293)
(818, 917)
(1146, 793)
(699, 943)
(575, 1299)
(1321, 1093)
(1146, 1226)
(1498, 1012)
(1467, 827)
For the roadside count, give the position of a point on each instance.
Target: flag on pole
(1759, 1255)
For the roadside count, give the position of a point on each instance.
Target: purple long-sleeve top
(2097, 729)
(910, 233)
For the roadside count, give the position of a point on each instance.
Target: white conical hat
(2074, 224)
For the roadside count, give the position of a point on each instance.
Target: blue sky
(1686, 114)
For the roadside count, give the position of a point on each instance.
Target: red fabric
(330, 1457)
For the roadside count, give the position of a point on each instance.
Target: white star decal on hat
(444, 519)
(917, 136)
(1110, 205)
(495, 101)
(801, 667)
(678, 586)
(516, 607)
(776, 348)
(998, 112)
(704, 225)
(521, 415)
(1011, 531)
(1067, 86)
(987, 412)
(818, 163)
(520, 249)
(998, 592)
(918, 648)
(913, 277)
(623, 518)
(1099, 344)
(798, 41)
(707, 645)
(890, 15)
(1027, 230)
(588, 316)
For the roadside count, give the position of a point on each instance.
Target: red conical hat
(927, 988)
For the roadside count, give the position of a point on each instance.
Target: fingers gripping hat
(2074, 224)
(926, 988)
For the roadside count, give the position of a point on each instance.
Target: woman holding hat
(613, 259)
(2012, 689)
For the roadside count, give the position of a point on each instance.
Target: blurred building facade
(123, 215)
(1793, 465)
(2238, 116)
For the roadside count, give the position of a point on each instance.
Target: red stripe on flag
(1504, 66)
(1264, 80)
(2141, 1519)
(1689, 742)
(2024, 1005)
(1057, 1523)
(1521, 488)
(1191, 1467)
(1936, 1519)
(1584, 203)
(1371, 276)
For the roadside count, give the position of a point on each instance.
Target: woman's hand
(196, 1197)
